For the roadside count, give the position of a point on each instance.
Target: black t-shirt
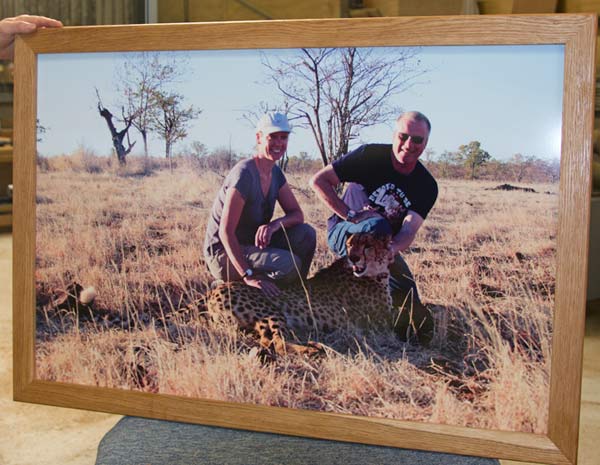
(390, 192)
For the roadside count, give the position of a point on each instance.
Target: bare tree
(549, 169)
(336, 92)
(221, 159)
(198, 149)
(117, 136)
(139, 79)
(251, 116)
(428, 156)
(171, 120)
(521, 165)
(445, 161)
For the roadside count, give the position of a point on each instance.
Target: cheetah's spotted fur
(351, 291)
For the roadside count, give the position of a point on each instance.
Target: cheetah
(351, 292)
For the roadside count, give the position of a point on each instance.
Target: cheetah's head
(369, 255)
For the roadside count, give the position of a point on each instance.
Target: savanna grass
(484, 262)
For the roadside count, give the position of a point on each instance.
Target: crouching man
(389, 191)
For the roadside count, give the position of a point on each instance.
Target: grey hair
(417, 116)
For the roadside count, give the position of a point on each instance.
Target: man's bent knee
(378, 226)
(338, 235)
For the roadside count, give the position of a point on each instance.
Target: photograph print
(365, 231)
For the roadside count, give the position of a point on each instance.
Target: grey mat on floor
(139, 441)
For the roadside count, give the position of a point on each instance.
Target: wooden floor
(40, 435)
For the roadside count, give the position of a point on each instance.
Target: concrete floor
(41, 435)
(37, 434)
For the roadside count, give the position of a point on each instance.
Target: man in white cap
(243, 241)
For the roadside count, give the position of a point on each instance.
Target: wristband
(248, 273)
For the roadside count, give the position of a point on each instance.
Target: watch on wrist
(248, 273)
(350, 215)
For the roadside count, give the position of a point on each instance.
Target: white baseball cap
(273, 122)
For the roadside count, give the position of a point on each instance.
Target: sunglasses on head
(416, 139)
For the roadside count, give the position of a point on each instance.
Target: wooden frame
(576, 32)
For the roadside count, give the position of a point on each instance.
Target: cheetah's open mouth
(358, 271)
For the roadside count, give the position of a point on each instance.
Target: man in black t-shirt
(389, 192)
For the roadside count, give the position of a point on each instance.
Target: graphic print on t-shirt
(391, 202)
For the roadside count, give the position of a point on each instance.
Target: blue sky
(507, 97)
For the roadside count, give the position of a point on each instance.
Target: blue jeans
(401, 278)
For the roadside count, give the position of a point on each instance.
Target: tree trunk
(116, 140)
(117, 136)
(145, 139)
(168, 148)
(283, 162)
(168, 154)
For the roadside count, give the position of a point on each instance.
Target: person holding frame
(389, 192)
(22, 24)
(243, 241)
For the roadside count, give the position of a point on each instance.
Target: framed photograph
(139, 151)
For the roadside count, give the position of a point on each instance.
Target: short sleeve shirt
(391, 193)
(258, 208)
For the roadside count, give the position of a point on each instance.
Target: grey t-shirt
(257, 210)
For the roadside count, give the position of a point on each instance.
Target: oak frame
(576, 32)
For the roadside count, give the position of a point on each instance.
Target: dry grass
(484, 261)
